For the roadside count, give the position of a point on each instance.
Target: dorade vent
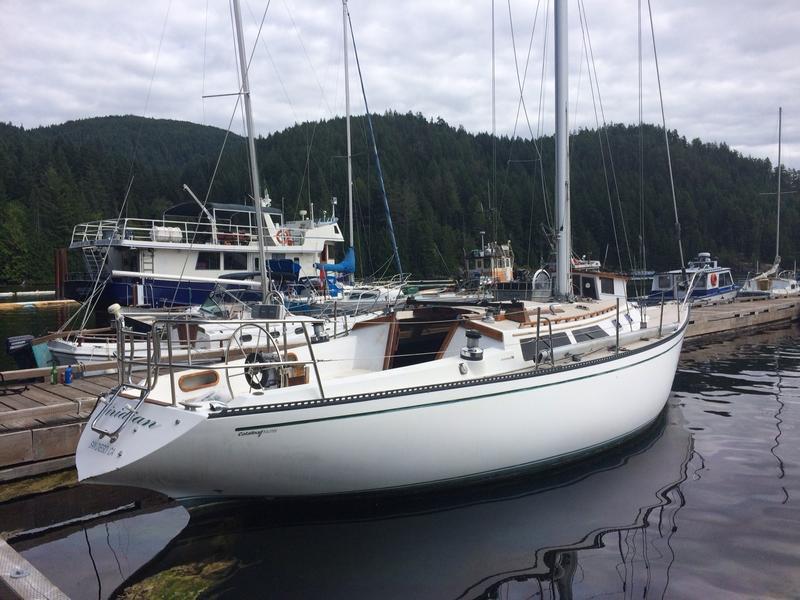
(589, 333)
(198, 380)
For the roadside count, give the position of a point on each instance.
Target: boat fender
(472, 351)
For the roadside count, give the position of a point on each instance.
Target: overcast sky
(726, 65)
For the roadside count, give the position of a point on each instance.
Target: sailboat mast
(778, 226)
(251, 147)
(351, 240)
(563, 287)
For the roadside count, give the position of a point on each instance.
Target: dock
(40, 423)
(20, 579)
(741, 316)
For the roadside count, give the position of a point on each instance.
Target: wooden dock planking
(41, 396)
(66, 392)
(18, 401)
(107, 381)
(741, 316)
(90, 389)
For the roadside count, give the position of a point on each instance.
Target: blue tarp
(348, 265)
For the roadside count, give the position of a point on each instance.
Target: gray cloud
(725, 65)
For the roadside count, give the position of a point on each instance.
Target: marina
(217, 382)
(647, 516)
(40, 422)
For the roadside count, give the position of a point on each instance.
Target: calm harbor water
(25, 318)
(703, 505)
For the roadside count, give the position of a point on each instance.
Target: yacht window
(725, 279)
(589, 333)
(606, 285)
(235, 261)
(664, 282)
(207, 261)
(198, 380)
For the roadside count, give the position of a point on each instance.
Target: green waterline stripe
(444, 402)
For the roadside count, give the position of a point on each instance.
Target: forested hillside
(439, 181)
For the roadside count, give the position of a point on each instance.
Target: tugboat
(709, 282)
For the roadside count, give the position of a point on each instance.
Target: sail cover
(348, 264)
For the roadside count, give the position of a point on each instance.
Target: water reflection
(701, 505)
(522, 537)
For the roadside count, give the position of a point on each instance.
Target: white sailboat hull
(435, 435)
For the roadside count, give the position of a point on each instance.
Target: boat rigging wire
(535, 136)
(592, 83)
(205, 43)
(666, 142)
(642, 247)
(219, 156)
(375, 151)
(522, 107)
(494, 216)
(131, 173)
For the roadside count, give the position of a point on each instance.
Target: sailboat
(416, 398)
(773, 283)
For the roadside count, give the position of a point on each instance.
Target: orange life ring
(284, 237)
(713, 279)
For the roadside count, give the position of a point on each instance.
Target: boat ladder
(117, 406)
(94, 258)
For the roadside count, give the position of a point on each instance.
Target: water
(28, 319)
(703, 505)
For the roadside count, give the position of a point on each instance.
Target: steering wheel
(256, 377)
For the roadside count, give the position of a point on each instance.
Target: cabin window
(606, 285)
(725, 279)
(589, 333)
(588, 288)
(207, 261)
(235, 261)
(198, 380)
(664, 282)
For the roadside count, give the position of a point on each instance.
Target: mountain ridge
(438, 179)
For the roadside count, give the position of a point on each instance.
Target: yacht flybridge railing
(252, 341)
(221, 231)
